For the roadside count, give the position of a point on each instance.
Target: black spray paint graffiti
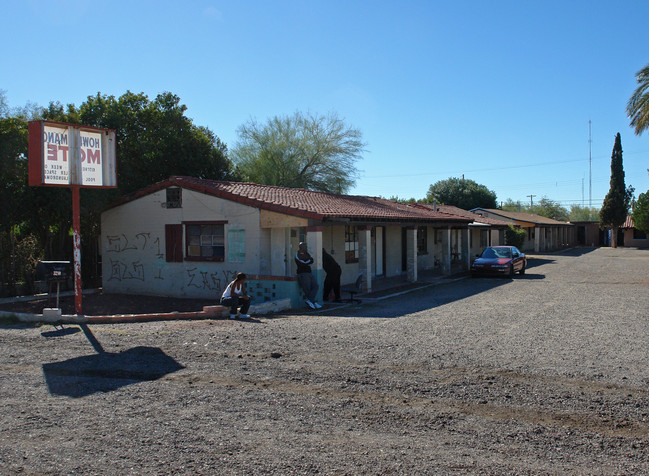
(121, 243)
(205, 280)
(121, 271)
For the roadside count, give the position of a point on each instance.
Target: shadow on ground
(420, 300)
(104, 371)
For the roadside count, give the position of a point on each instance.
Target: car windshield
(497, 253)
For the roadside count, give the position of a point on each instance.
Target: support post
(76, 241)
(365, 255)
(411, 254)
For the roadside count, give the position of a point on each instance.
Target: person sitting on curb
(235, 296)
(305, 277)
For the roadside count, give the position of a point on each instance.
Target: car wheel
(523, 269)
(511, 271)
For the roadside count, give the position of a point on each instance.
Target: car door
(518, 259)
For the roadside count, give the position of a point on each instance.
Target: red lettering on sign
(93, 156)
(51, 152)
(64, 149)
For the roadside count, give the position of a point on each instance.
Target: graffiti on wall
(200, 279)
(122, 268)
(139, 242)
(121, 271)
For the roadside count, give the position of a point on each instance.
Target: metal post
(76, 240)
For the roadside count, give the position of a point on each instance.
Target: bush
(22, 262)
(515, 236)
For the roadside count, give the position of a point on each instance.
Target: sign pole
(75, 156)
(76, 239)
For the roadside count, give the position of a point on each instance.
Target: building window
(422, 240)
(205, 242)
(174, 197)
(236, 246)
(351, 244)
(639, 235)
(530, 233)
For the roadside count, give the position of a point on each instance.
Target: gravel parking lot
(543, 374)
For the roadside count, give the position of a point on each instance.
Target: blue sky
(498, 91)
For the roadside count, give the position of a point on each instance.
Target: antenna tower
(590, 170)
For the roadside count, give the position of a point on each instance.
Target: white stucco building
(187, 237)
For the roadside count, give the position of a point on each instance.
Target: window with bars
(351, 244)
(174, 197)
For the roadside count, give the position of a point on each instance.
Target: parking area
(544, 373)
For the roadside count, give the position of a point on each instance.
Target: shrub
(515, 236)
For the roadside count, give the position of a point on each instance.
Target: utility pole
(590, 170)
(531, 200)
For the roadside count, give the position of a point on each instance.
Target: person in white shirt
(235, 297)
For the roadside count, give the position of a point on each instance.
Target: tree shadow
(105, 371)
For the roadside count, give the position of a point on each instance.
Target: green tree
(300, 151)
(549, 209)
(616, 203)
(515, 236)
(579, 213)
(641, 213)
(638, 106)
(155, 139)
(512, 206)
(462, 193)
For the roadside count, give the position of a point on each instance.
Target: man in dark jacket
(307, 281)
(332, 279)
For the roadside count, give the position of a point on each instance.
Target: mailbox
(53, 271)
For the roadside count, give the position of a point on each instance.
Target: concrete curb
(208, 312)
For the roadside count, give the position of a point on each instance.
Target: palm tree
(638, 106)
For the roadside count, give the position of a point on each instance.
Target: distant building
(631, 236)
(543, 234)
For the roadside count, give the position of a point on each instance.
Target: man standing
(332, 280)
(306, 279)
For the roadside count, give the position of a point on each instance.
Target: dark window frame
(209, 241)
(351, 237)
(174, 197)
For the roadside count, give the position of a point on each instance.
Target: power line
(489, 169)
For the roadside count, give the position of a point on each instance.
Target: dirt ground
(543, 374)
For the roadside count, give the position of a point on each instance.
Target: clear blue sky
(498, 91)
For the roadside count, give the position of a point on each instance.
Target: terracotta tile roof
(303, 203)
(628, 223)
(520, 216)
(451, 210)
